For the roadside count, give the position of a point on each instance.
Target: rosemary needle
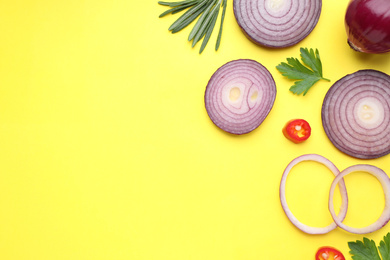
(199, 22)
(189, 14)
(187, 18)
(206, 24)
(220, 27)
(206, 10)
(171, 4)
(209, 29)
(176, 9)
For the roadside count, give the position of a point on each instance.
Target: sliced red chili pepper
(329, 253)
(297, 130)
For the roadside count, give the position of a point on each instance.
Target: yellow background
(107, 152)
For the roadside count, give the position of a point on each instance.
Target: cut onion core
(283, 200)
(234, 94)
(356, 114)
(369, 112)
(385, 182)
(239, 96)
(277, 23)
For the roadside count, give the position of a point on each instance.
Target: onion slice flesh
(343, 191)
(356, 114)
(385, 182)
(277, 23)
(239, 96)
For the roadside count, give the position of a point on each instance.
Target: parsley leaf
(306, 76)
(365, 250)
(384, 247)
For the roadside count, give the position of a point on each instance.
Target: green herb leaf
(306, 76)
(199, 23)
(364, 250)
(206, 10)
(187, 21)
(206, 24)
(312, 60)
(172, 4)
(220, 27)
(187, 15)
(384, 247)
(209, 29)
(177, 9)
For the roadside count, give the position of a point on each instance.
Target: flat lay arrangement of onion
(355, 112)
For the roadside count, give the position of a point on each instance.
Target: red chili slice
(297, 130)
(329, 253)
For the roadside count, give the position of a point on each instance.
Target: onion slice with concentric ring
(239, 96)
(342, 188)
(277, 23)
(385, 182)
(356, 114)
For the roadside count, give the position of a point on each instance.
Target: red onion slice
(385, 182)
(239, 96)
(277, 23)
(356, 114)
(343, 192)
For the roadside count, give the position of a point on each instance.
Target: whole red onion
(368, 25)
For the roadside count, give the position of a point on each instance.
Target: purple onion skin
(367, 23)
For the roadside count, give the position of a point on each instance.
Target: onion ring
(343, 192)
(239, 96)
(356, 114)
(277, 23)
(385, 182)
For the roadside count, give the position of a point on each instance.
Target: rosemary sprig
(206, 10)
